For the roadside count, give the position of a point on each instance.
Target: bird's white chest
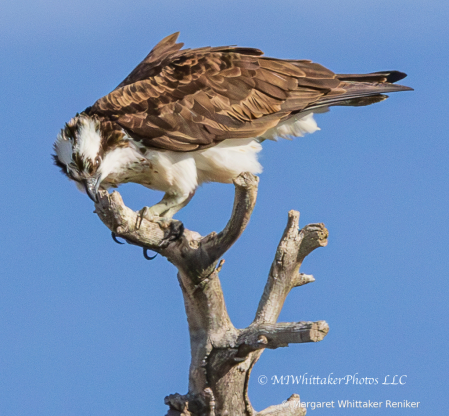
(181, 172)
(160, 170)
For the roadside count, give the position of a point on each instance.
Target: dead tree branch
(223, 356)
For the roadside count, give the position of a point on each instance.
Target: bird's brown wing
(185, 100)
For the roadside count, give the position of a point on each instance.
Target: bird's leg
(175, 208)
(163, 211)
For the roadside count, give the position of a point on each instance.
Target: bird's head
(79, 153)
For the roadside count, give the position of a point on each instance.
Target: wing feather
(184, 100)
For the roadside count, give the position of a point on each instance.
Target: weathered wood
(281, 334)
(223, 356)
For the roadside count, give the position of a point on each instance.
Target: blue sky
(88, 327)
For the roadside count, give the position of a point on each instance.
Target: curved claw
(114, 237)
(174, 232)
(145, 254)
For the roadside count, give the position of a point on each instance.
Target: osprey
(185, 117)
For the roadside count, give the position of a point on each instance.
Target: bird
(184, 117)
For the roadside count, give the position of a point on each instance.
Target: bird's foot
(173, 232)
(163, 211)
(151, 214)
(173, 229)
(114, 237)
(148, 214)
(145, 254)
(145, 249)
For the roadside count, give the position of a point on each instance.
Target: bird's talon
(145, 212)
(114, 237)
(145, 254)
(139, 219)
(173, 233)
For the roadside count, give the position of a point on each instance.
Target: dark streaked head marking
(78, 150)
(78, 147)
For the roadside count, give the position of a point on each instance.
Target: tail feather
(362, 89)
(362, 101)
(381, 76)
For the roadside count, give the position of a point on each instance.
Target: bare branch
(314, 236)
(122, 221)
(178, 403)
(209, 323)
(203, 252)
(283, 276)
(191, 405)
(280, 335)
(302, 279)
(246, 186)
(291, 407)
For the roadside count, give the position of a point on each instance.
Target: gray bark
(223, 356)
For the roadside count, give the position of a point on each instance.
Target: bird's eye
(97, 161)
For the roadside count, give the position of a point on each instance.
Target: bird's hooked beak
(91, 185)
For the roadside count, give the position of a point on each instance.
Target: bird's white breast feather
(224, 162)
(118, 161)
(173, 172)
(296, 126)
